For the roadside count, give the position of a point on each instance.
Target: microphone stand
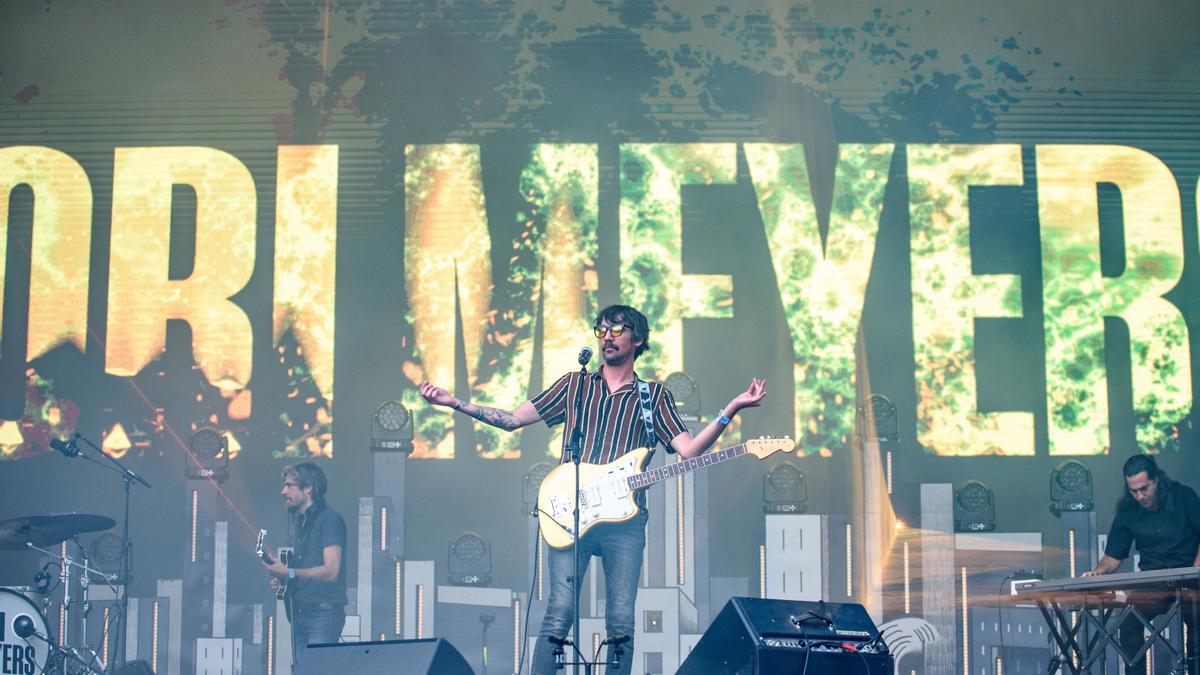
(575, 444)
(128, 476)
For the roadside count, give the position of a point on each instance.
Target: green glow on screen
(947, 297)
(822, 287)
(1076, 298)
(549, 273)
(652, 276)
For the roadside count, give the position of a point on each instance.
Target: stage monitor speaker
(755, 636)
(434, 656)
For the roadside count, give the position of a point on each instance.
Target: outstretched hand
(752, 397)
(436, 395)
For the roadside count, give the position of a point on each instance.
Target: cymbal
(17, 533)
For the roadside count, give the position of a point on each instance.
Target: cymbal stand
(64, 631)
(86, 572)
(85, 579)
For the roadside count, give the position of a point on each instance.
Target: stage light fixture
(210, 449)
(106, 555)
(974, 508)
(686, 393)
(530, 485)
(878, 415)
(392, 428)
(470, 561)
(785, 489)
(1071, 488)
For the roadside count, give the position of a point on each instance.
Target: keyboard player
(1162, 518)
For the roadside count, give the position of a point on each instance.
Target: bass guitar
(606, 491)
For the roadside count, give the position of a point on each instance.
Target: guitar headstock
(768, 445)
(260, 543)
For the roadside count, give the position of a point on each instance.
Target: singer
(612, 423)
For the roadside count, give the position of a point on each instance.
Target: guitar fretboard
(647, 478)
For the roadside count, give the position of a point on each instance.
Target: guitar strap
(647, 414)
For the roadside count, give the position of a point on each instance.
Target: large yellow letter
(1077, 298)
(141, 297)
(822, 285)
(947, 298)
(62, 238)
(306, 254)
(652, 277)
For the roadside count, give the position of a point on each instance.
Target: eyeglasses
(616, 330)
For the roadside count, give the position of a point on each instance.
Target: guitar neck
(648, 478)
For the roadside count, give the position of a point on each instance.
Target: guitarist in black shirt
(315, 576)
(1163, 518)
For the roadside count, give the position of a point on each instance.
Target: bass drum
(22, 655)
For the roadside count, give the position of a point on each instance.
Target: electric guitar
(606, 491)
(285, 557)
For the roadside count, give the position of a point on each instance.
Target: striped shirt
(612, 422)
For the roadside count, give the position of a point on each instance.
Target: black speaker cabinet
(755, 636)
(434, 656)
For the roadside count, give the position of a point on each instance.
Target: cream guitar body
(607, 491)
(604, 497)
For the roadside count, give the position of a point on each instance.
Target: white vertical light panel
(399, 616)
(907, 581)
(366, 563)
(1071, 550)
(270, 645)
(172, 589)
(131, 630)
(966, 628)
(849, 560)
(516, 635)
(154, 639)
(419, 601)
(220, 576)
(762, 571)
(195, 505)
(793, 557)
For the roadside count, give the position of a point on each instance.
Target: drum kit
(26, 640)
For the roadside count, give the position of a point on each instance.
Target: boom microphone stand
(71, 449)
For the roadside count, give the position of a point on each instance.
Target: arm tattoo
(501, 419)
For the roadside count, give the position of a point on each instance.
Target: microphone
(68, 448)
(615, 650)
(24, 628)
(585, 356)
(42, 578)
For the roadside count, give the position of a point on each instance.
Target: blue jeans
(619, 546)
(315, 627)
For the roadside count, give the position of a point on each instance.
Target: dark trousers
(314, 627)
(1132, 631)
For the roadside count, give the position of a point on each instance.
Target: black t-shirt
(1166, 537)
(319, 527)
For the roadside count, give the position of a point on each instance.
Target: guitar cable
(1000, 612)
(529, 599)
(556, 521)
